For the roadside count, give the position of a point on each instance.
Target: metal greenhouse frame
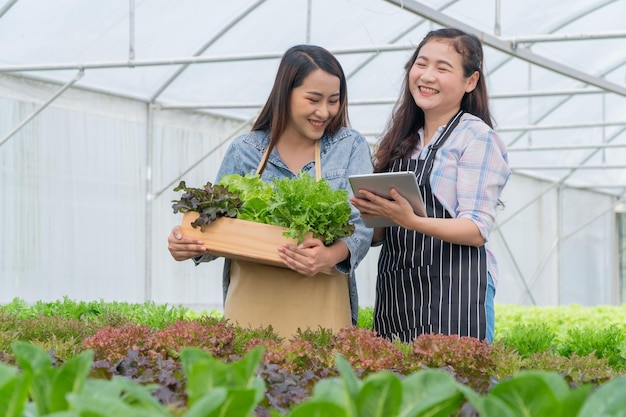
(561, 238)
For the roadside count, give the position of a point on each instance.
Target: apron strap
(434, 147)
(447, 130)
(263, 159)
(318, 161)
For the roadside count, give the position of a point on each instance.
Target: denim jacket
(342, 154)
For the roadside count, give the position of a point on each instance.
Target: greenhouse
(106, 106)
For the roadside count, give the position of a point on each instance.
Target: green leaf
(248, 187)
(209, 403)
(244, 373)
(573, 403)
(429, 393)
(254, 210)
(140, 396)
(31, 358)
(334, 390)
(106, 407)
(495, 407)
(380, 396)
(13, 391)
(486, 406)
(238, 403)
(190, 356)
(343, 390)
(608, 401)
(303, 205)
(205, 373)
(350, 381)
(203, 377)
(244, 370)
(37, 366)
(533, 393)
(119, 397)
(63, 414)
(69, 378)
(318, 408)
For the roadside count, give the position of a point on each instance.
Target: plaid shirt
(469, 172)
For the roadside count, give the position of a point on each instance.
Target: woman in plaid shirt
(435, 273)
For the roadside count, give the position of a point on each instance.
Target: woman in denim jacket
(306, 113)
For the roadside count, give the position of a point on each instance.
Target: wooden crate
(239, 239)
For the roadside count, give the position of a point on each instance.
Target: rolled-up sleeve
(483, 171)
(470, 171)
(359, 242)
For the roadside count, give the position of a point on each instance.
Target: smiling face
(312, 106)
(436, 80)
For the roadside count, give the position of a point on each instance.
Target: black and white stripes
(426, 285)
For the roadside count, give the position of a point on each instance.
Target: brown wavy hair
(400, 136)
(296, 64)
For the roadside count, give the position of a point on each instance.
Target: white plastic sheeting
(555, 245)
(105, 106)
(77, 220)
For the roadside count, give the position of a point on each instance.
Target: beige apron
(262, 295)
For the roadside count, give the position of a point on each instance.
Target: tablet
(404, 182)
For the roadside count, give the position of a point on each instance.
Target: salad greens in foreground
(301, 204)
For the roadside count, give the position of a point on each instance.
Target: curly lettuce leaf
(303, 205)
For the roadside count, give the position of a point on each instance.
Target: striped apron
(426, 285)
(262, 295)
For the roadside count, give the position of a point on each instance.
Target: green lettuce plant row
(36, 388)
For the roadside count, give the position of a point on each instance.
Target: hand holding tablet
(380, 184)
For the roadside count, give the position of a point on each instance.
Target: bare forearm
(460, 231)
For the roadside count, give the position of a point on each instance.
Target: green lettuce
(299, 204)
